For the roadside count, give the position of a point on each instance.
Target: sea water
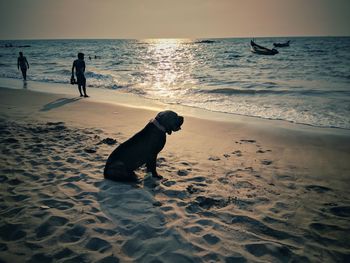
(308, 82)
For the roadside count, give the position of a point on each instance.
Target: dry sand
(245, 190)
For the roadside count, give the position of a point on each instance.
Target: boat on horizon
(205, 41)
(257, 49)
(285, 44)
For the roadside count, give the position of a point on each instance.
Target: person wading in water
(23, 63)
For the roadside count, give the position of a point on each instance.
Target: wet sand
(243, 190)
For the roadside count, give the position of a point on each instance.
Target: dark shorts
(81, 80)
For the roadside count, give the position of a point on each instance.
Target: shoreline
(93, 113)
(245, 190)
(134, 101)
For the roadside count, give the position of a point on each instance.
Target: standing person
(23, 63)
(79, 66)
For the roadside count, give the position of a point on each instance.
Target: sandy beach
(237, 190)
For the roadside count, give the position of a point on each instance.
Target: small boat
(286, 44)
(205, 42)
(255, 48)
(13, 46)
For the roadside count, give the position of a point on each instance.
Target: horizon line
(230, 37)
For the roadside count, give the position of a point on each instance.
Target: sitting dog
(142, 148)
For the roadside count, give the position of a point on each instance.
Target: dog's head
(170, 121)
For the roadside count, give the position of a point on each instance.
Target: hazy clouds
(176, 18)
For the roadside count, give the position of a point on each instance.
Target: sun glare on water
(165, 67)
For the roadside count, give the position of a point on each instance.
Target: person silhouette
(79, 66)
(23, 63)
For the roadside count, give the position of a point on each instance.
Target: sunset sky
(51, 19)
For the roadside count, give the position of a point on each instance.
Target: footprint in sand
(40, 257)
(56, 158)
(244, 184)
(193, 229)
(55, 123)
(109, 259)
(108, 141)
(209, 202)
(64, 253)
(317, 188)
(74, 178)
(49, 226)
(261, 249)
(182, 172)
(71, 188)
(168, 183)
(60, 205)
(90, 150)
(19, 197)
(342, 211)
(223, 180)
(181, 194)
(73, 235)
(12, 232)
(198, 179)
(107, 232)
(57, 164)
(214, 158)
(102, 219)
(192, 189)
(10, 140)
(3, 178)
(248, 141)
(266, 162)
(325, 229)
(3, 247)
(12, 212)
(211, 239)
(238, 153)
(97, 244)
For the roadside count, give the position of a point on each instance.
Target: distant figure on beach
(23, 63)
(79, 66)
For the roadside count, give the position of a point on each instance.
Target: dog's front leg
(152, 166)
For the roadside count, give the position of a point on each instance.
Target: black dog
(142, 148)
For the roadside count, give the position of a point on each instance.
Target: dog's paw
(149, 181)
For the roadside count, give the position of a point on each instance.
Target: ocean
(307, 82)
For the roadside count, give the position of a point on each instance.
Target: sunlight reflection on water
(165, 69)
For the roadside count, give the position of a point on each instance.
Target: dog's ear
(170, 121)
(177, 123)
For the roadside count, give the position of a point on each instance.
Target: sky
(138, 19)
